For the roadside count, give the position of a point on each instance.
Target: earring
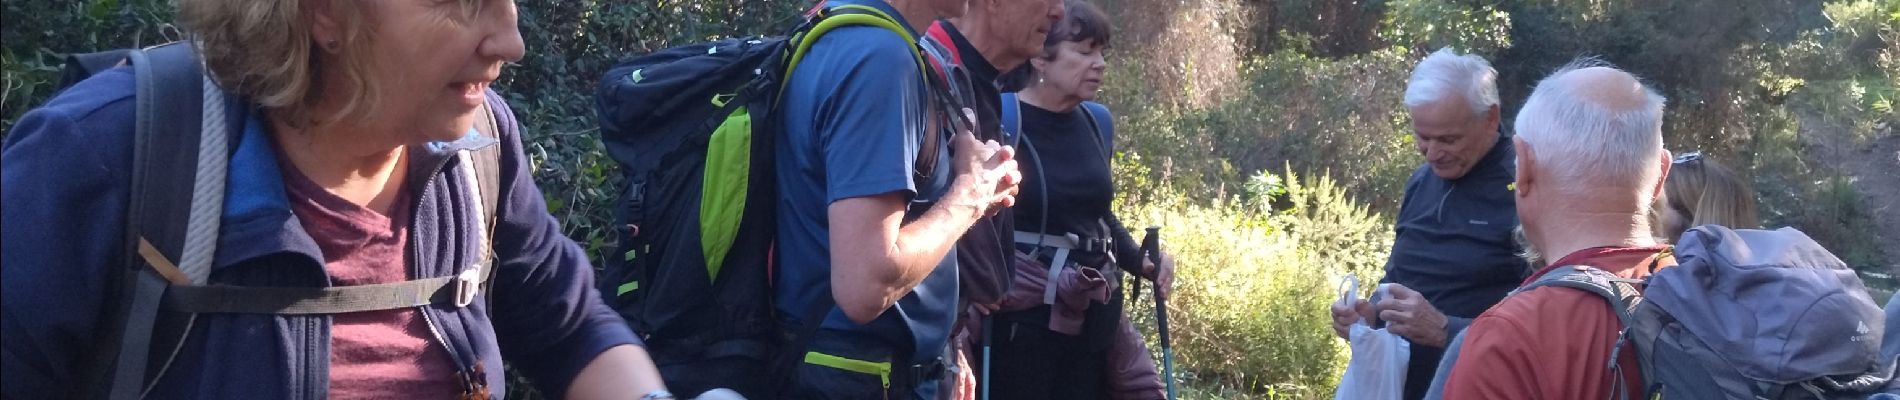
(331, 45)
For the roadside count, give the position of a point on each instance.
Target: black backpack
(692, 130)
(172, 221)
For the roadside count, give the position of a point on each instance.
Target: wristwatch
(658, 395)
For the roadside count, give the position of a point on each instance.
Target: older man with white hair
(1590, 160)
(1453, 256)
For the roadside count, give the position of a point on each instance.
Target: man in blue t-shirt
(859, 226)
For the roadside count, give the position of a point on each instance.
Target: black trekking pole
(1151, 248)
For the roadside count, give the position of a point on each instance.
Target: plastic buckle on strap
(468, 285)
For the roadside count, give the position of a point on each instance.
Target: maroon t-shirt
(386, 354)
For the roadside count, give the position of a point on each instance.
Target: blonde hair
(261, 50)
(1705, 192)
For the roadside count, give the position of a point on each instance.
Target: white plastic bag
(1378, 366)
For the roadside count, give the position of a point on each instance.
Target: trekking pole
(1151, 248)
(984, 384)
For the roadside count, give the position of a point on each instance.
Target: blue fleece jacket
(65, 180)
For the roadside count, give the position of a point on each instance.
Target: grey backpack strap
(227, 299)
(480, 172)
(1620, 292)
(485, 168)
(172, 218)
(1623, 295)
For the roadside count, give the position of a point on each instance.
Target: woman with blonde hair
(1699, 192)
(350, 125)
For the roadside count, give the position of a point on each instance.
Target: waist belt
(1063, 245)
(1065, 242)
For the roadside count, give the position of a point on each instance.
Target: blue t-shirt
(854, 114)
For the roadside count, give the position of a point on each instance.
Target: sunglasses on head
(1685, 158)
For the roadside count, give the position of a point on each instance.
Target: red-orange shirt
(1551, 343)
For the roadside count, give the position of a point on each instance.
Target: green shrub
(1341, 116)
(1249, 312)
(38, 35)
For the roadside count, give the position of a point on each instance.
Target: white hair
(1445, 73)
(1593, 133)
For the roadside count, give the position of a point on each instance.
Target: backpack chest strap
(459, 290)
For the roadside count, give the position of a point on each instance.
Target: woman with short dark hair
(1072, 341)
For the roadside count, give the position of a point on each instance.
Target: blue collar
(257, 220)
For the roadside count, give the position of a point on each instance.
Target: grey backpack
(1746, 314)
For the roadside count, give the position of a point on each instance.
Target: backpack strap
(941, 90)
(230, 299)
(937, 33)
(944, 59)
(1620, 292)
(1012, 115)
(485, 168)
(170, 234)
(480, 172)
(1623, 294)
(831, 18)
(1104, 125)
(842, 16)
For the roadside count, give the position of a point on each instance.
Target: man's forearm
(877, 259)
(922, 244)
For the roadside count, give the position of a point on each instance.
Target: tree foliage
(38, 35)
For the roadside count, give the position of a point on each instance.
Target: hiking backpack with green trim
(691, 128)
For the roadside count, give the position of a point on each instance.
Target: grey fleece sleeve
(1455, 326)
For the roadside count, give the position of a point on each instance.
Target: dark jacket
(1454, 247)
(65, 192)
(984, 253)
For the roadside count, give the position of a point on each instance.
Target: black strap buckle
(925, 373)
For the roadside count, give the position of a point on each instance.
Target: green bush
(1341, 116)
(39, 33)
(1249, 312)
